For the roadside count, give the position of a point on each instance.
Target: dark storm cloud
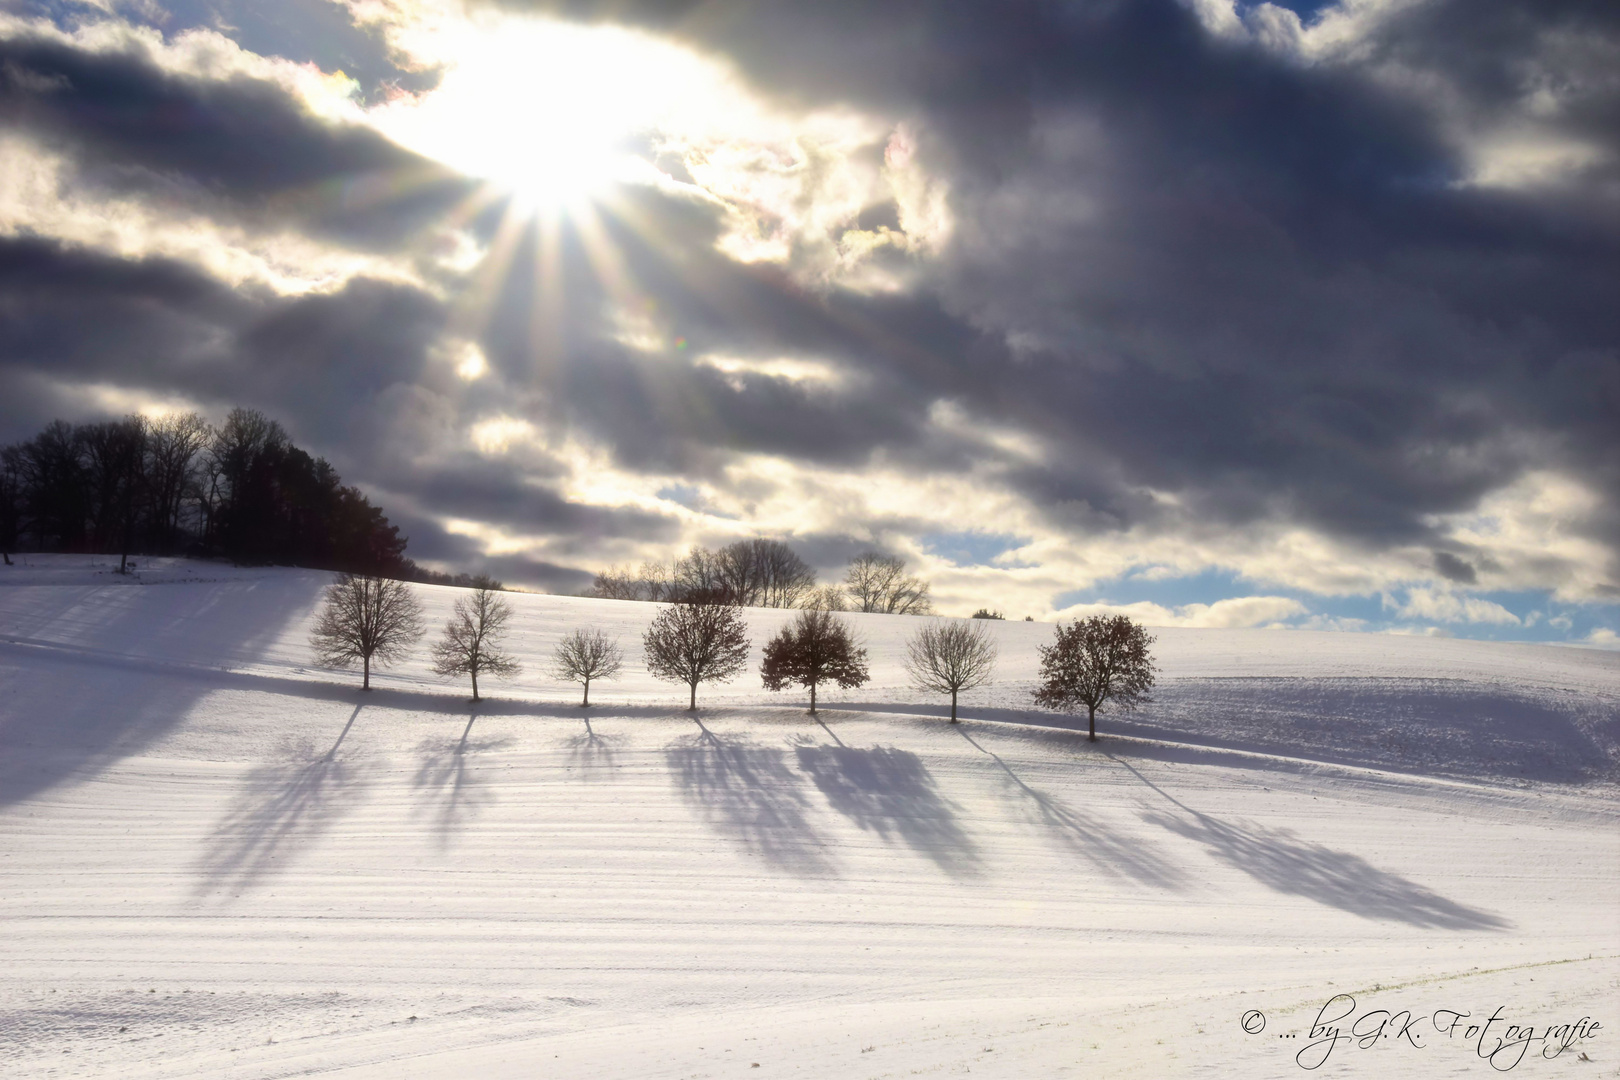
(85, 316)
(431, 542)
(1452, 568)
(70, 317)
(1262, 284)
(1180, 263)
(662, 411)
(237, 147)
(321, 358)
(505, 494)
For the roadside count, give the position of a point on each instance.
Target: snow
(220, 861)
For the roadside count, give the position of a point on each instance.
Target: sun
(551, 113)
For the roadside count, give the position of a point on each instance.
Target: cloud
(1452, 568)
(1233, 613)
(1324, 303)
(200, 124)
(1448, 607)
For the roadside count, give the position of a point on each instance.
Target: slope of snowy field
(217, 860)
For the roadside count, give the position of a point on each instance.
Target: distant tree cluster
(748, 573)
(879, 583)
(768, 573)
(178, 484)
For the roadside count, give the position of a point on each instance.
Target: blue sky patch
(1540, 617)
(971, 548)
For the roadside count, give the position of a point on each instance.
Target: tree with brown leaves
(1098, 659)
(815, 647)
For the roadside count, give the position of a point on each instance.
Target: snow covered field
(218, 861)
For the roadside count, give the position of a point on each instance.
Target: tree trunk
(1092, 720)
(693, 707)
(126, 539)
(812, 699)
(587, 702)
(475, 683)
(953, 706)
(365, 682)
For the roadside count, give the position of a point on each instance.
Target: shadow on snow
(591, 753)
(1279, 860)
(280, 809)
(748, 791)
(1105, 848)
(890, 792)
(456, 792)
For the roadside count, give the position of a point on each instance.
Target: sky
(1217, 314)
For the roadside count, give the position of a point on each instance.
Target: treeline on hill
(769, 573)
(179, 485)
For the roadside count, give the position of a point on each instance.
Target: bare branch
(584, 655)
(947, 658)
(878, 582)
(470, 644)
(367, 619)
(697, 642)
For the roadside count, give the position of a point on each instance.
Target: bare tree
(585, 655)
(825, 598)
(1098, 659)
(115, 453)
(655, 580)
(815, 647)
(947, 658)
(786, 578)
(764, 573)
(11, 500)
(697, 641)
(616, 583)
(878, 582)
(173, 445)
(471, 641)
(366, 618)
(699, 576)
(750, 573)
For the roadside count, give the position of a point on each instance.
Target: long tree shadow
(1280, 860)
(1106, 849)
(95, 661)
(748, 791)
(281, 809)
(455, 793)
(591, 753)
(891, 792)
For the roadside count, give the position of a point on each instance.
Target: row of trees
(1095, 660)
(177, 483)
(769, 573)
